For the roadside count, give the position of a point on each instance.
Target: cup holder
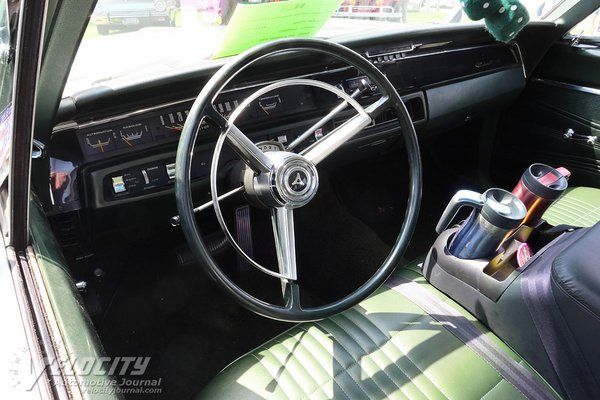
(489, 277)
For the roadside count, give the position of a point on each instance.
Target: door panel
(578, 65)
(563, 94)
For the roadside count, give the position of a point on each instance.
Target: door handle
(588, 139)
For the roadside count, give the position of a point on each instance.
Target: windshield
(129, 40)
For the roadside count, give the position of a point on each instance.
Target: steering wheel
(284, 180)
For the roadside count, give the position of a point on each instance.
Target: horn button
(292, 182)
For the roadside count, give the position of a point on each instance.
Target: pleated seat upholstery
(578, 206)
(384, 348)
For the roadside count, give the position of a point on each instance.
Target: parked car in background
(371, 6)
(389, 10)
(133, 14)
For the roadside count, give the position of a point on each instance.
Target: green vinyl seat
(386, 347)
(578, 206)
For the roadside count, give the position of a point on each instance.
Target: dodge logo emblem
(297, 181)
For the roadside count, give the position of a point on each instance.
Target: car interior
(358, 295)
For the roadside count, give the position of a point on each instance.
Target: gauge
(174, 121)
(98, 142)
(270, 145)
(226, 108)
(132, 135)
(270, 105)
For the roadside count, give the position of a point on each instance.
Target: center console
(544, 303)
(481, 276)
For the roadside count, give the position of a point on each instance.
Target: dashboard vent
(415, 106)
(66, 230)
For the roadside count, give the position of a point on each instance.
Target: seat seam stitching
(300, 363)
(406, 354)
(367, 352)
(355, 362)
(574, 208)
(562, 210)
(492, 388)
(375, 362)
(269, 372)
(574, 202)
(571, 200)
(268, 350)
(344, 369)
(587, 214)
(475, 353)
(572, 211)
(574, 199)
(399, 350)
(321, 385)
(318, 323)
(568, 292)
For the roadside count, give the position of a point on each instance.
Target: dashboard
(105, 156)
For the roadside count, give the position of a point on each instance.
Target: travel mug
(495, 213)
(538, 187)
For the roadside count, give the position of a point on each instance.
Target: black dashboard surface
(106, 153)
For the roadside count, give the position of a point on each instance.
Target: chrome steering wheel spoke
(364, 86)
(282, 219)
(336, 138)
(375, 109)
(244, 147)
(247, 150)
(175, 219)
(291, 296)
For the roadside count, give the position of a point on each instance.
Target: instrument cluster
(113, 137)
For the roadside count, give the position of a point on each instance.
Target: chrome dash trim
(456, 50)
(519, 56)
(406, 49)
(74, 125)
(68, 125)
(570, 86)
(64, 126)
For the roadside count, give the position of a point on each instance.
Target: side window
(588, 28)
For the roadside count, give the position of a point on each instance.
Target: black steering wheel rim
(203, 106)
